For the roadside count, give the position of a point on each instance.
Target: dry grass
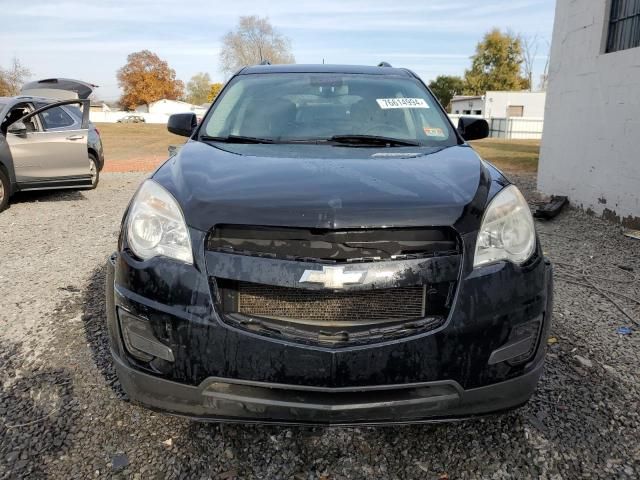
(510, 155)
(135, 141)
(139, 146)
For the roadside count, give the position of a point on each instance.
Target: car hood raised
(316, 186)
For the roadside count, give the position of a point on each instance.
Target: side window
(15, 114)
(56, 117)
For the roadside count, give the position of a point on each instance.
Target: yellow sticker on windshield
(433, 132)
(401, 103)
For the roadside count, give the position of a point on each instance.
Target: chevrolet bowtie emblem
(333, 277)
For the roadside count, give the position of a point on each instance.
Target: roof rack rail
(265, 62)
(384, 64)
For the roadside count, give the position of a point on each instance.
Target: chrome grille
(329, 308)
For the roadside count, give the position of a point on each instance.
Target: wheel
(5, 189)
(93, 169)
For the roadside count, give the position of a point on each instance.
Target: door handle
(75, 137)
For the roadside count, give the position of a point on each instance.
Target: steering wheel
(388, 129)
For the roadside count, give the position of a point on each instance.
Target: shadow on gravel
(37, 412)
(94, 320)
(48, 196)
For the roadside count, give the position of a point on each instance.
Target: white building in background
(467, 105)
(155, 112)
(169, 107)
(500, 104)
(589, 148)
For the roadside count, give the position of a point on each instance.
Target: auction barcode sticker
(402, 103)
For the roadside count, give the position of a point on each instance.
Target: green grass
(510, 155)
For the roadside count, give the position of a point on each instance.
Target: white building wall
(496, 103)
(169, 107)
(589, 148)
(467, 104)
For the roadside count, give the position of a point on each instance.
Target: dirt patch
(135, 147)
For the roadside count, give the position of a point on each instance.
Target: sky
(90, 40)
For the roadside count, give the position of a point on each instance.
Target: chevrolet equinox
(327, 249)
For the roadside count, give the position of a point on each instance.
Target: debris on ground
(584, 362)
(635, 234)
(579, 275)
(624, 330)
(119, 462)
(552, 208)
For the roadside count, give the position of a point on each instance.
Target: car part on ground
(552, 208)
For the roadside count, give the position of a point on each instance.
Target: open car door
(49, 146)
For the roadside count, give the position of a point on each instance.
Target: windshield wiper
(236, 139)
(374, 140)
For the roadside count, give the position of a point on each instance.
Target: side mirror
(182, 124)
(473, 128)
(17, 128)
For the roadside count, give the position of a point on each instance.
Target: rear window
(303, 106)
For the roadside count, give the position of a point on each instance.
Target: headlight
(507, 231)
(156, 226)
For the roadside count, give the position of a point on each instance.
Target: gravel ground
(62, 414)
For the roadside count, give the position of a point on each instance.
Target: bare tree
(198, 88)
(529, 52)
(544, 78)
(254, 41)
(12, 78)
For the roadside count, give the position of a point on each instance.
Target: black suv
(327, 249)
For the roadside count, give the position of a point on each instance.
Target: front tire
(5, 189)
(95, 172)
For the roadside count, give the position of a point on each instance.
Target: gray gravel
(63, 415)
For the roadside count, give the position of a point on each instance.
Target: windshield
(281, 107)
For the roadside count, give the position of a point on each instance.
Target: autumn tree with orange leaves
(147, 78)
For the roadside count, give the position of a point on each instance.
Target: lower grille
(332, 317)
(327, 308)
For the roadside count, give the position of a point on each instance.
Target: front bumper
(221, 373)
(229, 400)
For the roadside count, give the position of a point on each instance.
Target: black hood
(317, 186)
